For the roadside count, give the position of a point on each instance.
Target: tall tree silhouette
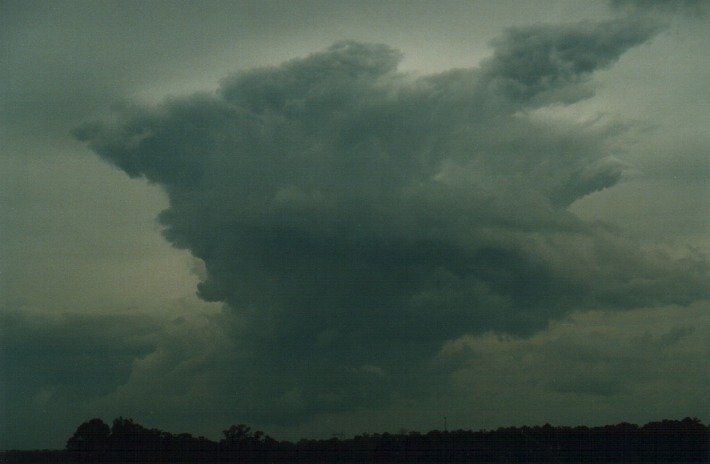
(90, 439)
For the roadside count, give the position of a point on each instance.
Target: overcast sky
(352, 216)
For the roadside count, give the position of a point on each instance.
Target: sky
(321, 217)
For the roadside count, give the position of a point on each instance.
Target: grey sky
(493, 211)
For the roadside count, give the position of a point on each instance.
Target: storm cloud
(354, 218)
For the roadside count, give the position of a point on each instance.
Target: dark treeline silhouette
(668, 441)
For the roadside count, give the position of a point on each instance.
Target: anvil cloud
(354, 218)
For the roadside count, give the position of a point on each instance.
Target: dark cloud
(539, 65)
(75, 354)
(354, 218)
(52, 364)
(601, 365)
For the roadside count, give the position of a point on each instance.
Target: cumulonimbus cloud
(354, 218)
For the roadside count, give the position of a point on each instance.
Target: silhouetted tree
(686, 441)
(236, 433)
(90, 440)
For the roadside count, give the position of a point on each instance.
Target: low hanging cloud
(353, 218)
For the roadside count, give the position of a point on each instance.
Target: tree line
(667, 441)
